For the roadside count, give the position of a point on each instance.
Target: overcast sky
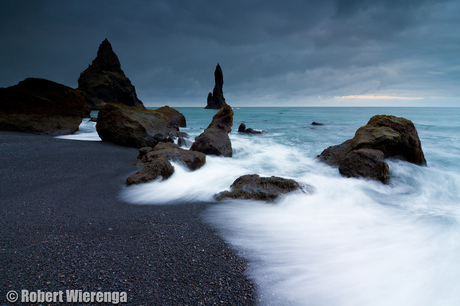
(273, 53)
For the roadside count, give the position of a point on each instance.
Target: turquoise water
(349, 242)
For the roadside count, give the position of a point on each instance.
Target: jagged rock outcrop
(259, 188)
(158, 167)
(41, 106)
(215, 140)
(135, 126)
(394, 137)
(192, 159)
(216, 99)
(242, 129)
(104, 81)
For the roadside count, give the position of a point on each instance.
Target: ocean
(350, 241)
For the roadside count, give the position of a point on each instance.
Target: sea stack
(216, 99)
(104, 81)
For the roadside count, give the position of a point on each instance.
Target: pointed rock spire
(104, 81)
(216, 99)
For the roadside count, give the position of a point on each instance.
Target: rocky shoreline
(64, 227)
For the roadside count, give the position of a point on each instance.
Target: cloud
(290, 51)
(369, 97)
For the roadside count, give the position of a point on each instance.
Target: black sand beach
(63, 227)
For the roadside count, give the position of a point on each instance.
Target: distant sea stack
(216, 99)
(104, 81)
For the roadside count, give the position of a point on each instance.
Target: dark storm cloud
(294, 52)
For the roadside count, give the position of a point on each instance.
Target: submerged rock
(215, 140)
(192, 159)
(216, 99)
(104, 81)
(242, 129)
(259, 188)
(41, 106)
(383, 137)
(135, 126)
(158, 167)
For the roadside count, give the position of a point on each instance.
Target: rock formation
(41, 106)
(394, 137)
(157, 162)
(214, 140)
(159, 167)
(242, 129)
(216, 99)
(259, 188)
(104, 81)
(135, 126)
(192, 159)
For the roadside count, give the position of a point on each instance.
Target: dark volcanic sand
(63, 226)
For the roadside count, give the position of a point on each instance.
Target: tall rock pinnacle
(104, 81)
(216, 99)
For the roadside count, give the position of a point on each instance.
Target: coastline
(64, 227)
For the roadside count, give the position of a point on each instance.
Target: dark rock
(216, 99)
(192, 159)
(93, 119)
(104, 81)
(134, 126)
(158, 167)
(334, 154)
(259, 188)
(242, 129)
(41, 106)
(175, 118)
(316, 123)
(366, 163)
(394, 137)
(215, 140)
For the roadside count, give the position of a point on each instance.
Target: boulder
(104, 81)
(242, 129)
(175, 118)
(216, 99)
(317, 123)
(159, 167)
(366, 163)
(135, 126)
(41, 106)
(259, 188)
(192, 159)
(394, 137)
(215, 140)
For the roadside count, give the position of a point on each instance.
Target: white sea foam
(87, 132)
(351, 242)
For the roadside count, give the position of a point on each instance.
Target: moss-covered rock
(394, 137)
(215, 140)
(160, 167)
(135, 126)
